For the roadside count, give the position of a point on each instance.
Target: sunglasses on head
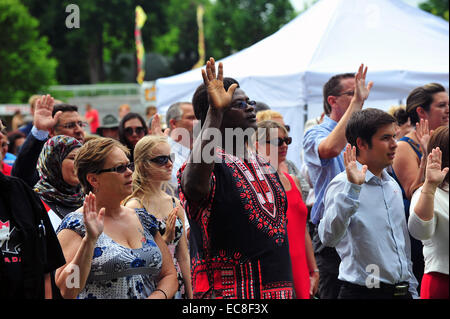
(118, 169)
(138, 130)
(279, 141)
(163, 159)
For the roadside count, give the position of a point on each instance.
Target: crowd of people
(123, 207)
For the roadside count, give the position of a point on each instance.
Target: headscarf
(51, 185)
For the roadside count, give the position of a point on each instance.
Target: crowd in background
(127, 206)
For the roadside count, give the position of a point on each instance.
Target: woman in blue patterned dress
(112, 252)
(153, 171)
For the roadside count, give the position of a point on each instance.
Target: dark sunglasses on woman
(138, 130)
(163, 159)
(279, 141)
(118, 169)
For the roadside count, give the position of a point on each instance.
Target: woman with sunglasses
(132, 128)
(153, 171)
(112, 251)
(272, 143)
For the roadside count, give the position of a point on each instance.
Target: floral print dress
(119, 272)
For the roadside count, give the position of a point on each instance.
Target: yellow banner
(201, 38)
(141, 17)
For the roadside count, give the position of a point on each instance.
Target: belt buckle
(401, 290)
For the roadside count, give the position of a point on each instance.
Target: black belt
(399, 289)
(396, 290)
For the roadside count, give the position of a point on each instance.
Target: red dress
(296, 226)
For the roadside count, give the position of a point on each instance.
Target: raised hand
(354, 175)
(433, 174)
(423, 134)
(43, 119)
(156, 129)
(93, 221)
(361, 90)
(169, 234)
(218, 97)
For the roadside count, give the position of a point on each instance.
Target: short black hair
(364, 124)
(63, 107)
(333, 87)
(200, 99)
(261, 106)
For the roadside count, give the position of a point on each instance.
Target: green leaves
(25, 65)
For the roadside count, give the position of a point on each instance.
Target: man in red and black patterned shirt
(235, 202)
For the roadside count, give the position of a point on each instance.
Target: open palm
(93, 221)
(434, 175)
(218, 97)
(354, 175)
(43, 119)
(361, 90)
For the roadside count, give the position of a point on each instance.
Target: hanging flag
(201, 38)
(140, 52)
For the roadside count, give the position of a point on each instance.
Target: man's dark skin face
(239, 118)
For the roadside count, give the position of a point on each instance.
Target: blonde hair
(143, 151)
(267, 115)
(92, 156)
(32, 100)
(395, 108)
(124, 107)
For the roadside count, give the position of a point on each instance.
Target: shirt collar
(371, 177)
(329, 122)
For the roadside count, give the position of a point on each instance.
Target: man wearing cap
(109, 127)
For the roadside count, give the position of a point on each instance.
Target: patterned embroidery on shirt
(262, 196)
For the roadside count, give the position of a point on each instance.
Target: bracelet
(426, 193)
(315, 270)
(157, 289)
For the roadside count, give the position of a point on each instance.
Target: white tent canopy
(403, 47)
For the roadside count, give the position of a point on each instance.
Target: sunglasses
(279, 141)
(118, 169)
(243, 104)
(163, 159)
(138, 130)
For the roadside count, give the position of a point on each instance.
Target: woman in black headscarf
(58, 186)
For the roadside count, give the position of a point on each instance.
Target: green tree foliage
(436, 7)
(103, 48)
(25, 66)
(106, 32)
(232, 25)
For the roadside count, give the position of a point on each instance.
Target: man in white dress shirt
(180, 120)
(364, 214)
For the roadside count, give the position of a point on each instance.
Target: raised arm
(333, 145)
(434, 176)
(195, 180)
(26, 161)
(341, 201)
(79, 251)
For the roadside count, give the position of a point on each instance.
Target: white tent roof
(403, 47)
